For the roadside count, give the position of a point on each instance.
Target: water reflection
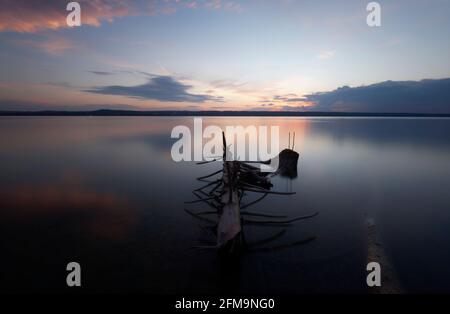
(106, 193)
(226, 193)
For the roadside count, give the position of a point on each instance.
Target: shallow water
(104, 192)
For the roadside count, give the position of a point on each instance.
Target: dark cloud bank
(426, 96)
(161, 88)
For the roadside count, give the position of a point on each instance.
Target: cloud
(325, 55)
(160, 88)
(131, 72)
(288, 98)
(426, 96)
(14, 105)
(102, 73)
(25, 17)
(51, 45)
(293, 108)
(228, 84)
(225, 5)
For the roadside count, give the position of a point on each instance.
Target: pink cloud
(51, 45)
(25, 17)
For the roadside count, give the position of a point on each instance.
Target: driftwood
(225, 195)
(288, 160)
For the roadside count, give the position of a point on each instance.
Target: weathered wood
(226, 193)
(280, 221)
(230, 219)
(287, 163)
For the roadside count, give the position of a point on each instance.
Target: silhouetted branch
(268, 192)
(245, 213)
(209, 175)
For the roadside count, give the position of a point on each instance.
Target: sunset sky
(213, 54)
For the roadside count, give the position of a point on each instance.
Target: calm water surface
(104, 192)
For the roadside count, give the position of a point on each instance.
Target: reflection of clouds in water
(100, 214)
(160, 142)
(420, 133)
(19, 133)
(96, 189)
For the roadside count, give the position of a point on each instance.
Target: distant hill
(106, 113)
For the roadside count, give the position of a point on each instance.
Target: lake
(105, 192)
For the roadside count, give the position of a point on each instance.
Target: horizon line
(118, 112)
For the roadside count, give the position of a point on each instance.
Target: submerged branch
(254, 202)
(209, 175)
(280, 221)
(261, 215)
(207, 185)
(200, 217)
(268, 192)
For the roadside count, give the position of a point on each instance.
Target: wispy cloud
(172, 6)
(51, 45)
(325, 55)
(102, 73)
(160, 88)
(115, 72)
(228, 84)
(20, 16)
(287, 98)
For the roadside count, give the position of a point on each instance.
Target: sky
(225, 55)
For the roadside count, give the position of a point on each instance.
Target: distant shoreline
(131, 113)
